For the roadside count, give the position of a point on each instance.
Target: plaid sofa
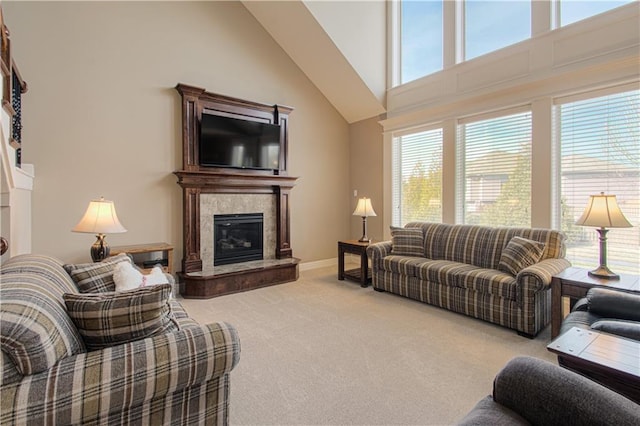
(178, 377)
(457, 269)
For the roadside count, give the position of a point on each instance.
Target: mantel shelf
(225, 180)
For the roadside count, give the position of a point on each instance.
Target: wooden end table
(141, 252)
(575, 283)
(605, 358)
(362, 274)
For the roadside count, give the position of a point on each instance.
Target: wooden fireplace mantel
(210, 182)
(196, 180)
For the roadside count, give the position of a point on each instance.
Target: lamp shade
(602, 211)
(364, 208)
(100, 218)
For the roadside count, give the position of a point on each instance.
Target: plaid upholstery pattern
(96, 277)
(460, 273)
(113, 318)
(35, 330)
(174, 378)
(407, 242)
(519, 254)
(180, 377)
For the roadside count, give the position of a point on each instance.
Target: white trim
(494, 114)
(394, 49)
(596, 93)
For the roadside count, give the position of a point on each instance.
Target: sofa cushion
(518, 254)
(96, 277)
(488, 281)
(458, 243)
(113, 318)
(405, 265)
(407, 241)
(624, 328)
(444, 272)
(35, 330)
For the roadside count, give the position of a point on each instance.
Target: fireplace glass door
(237, 238)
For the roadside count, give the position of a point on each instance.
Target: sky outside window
(492, 25)
(575, 10)
(421, 39)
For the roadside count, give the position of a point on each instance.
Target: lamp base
(605, 273)
(100, 249)
(364, 240)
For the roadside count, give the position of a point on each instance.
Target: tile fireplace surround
(212, 204)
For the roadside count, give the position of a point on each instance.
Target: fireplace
(237, 238)
(210, 191)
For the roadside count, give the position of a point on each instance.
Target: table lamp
(603, 212)
(100, 219)
(364, 209)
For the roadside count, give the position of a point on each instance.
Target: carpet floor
(320, 351)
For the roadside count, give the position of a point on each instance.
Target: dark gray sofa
(609, 311)
(529, 391)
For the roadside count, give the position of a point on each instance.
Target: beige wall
(102, 117)
(366, 167)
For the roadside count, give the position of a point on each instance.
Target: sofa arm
(614, 304)
(90, 386)
(545, 394)
(537, 277)
(377, 252)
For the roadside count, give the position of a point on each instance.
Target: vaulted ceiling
(340, 46)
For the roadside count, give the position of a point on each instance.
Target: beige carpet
(326, 352)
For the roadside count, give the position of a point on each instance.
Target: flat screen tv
(244, 144)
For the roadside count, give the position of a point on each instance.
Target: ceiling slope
(297, 31)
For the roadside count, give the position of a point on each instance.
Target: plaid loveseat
(458, 267)
(49, 377)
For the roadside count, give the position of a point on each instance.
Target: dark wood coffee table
(610, 360)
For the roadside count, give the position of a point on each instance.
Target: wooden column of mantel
(196, 180)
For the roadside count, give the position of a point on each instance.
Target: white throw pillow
(126, 277)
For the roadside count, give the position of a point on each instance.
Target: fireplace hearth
(237, 238)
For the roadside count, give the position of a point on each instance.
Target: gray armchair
(609, 311)
(531, 391)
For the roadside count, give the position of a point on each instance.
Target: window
(599, 146)
(492, 25)
(417, 177)
(575, 10)
(494, 171)
(421, 39)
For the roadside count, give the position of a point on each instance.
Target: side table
(575, 283)
(145, 255)
(362, 274)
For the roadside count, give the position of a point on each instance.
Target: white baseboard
(348, 258)
(305, 266)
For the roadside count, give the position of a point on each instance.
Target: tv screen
(232, 142)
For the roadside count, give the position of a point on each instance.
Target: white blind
(494, 171)
(599, 141)
(417, 177)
